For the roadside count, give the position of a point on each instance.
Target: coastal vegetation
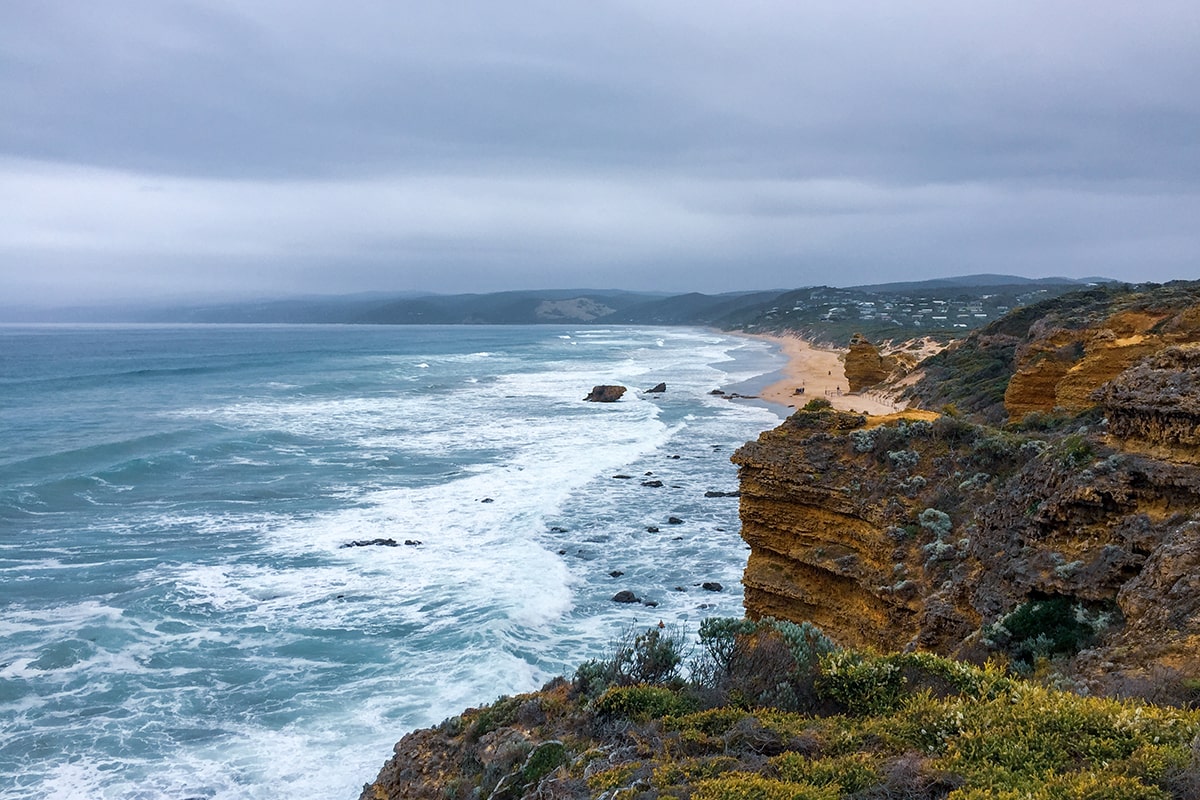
(768, 709)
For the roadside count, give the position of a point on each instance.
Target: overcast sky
(151, 148)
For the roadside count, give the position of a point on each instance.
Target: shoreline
(820, 373)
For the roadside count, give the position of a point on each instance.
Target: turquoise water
(179, 615)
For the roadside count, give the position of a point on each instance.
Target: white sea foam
(237, 649)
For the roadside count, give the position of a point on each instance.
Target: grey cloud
(669, 145)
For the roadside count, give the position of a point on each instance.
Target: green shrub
(643, 702)
(548, 757)
(1046, 628)
(936, 522)
(848, 774)
(759, 663)
(688, 771)
(654, 656)
(499, 714)
(817, 404)
(748, 786)
(863, 683)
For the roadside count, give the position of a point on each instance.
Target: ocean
(181, 615)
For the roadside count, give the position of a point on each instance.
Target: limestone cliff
(1074, 536)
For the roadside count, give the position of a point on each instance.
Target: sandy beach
(820, 373)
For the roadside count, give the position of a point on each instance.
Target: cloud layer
(154, 148)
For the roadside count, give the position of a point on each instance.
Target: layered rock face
(1157, 403)
(952, 535)
(930, 535)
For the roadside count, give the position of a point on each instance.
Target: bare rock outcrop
(865, 367)
(605, 393)
(1156, 403)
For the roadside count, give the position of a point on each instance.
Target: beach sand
(820, 373)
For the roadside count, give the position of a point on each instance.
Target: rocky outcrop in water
(605, 394)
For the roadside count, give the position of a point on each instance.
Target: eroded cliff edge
(1054, 511)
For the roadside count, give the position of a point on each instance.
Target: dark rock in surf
(372, 543)
(659, 389)
(625, 596)
(604, 393)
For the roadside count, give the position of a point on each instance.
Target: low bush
(759, 663)
(750, 786)
(880, 726)
(643, 702)
(1047, 628)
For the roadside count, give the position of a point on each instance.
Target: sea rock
(713, 493)
(674, 521)
(605, 393)
(616, 573)
(656, 484)
(625, 596)
(658, 389)
(651, 529)
(373, 543)
(712, 586)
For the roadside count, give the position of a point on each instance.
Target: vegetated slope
(693, 309)
(945, 309)
(772, 710)
(1067, 539)
(1056, 352)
